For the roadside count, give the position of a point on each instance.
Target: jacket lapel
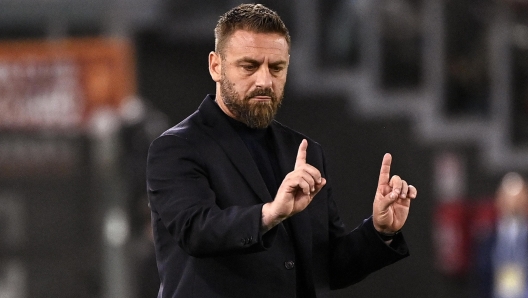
(219, 129)
(286, 146)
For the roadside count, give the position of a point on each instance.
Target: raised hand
(392, 201)
(296, 191)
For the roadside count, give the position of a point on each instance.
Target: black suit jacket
(206, 195)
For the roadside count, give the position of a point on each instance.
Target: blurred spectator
(141, 123)
(502, 255)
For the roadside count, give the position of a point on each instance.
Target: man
(242, 205)
(502, 253)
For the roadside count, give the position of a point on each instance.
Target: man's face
(253, 75)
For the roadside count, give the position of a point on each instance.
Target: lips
(261, 98)
(261, 95)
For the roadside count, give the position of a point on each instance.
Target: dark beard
(253, 114)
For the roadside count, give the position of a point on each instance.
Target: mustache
(262, 92)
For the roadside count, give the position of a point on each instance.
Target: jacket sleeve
(181, 196)
(356, 254)
(362, 252)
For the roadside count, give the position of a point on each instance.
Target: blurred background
(85, 86)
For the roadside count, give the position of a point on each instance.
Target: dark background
(172, 39)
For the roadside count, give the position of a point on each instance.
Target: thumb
(301, 154)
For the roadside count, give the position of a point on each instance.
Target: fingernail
(397, 190)
(393, 196)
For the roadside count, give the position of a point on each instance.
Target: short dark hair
(251, 17)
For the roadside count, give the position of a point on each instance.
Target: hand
(392, 200)
(296, 191)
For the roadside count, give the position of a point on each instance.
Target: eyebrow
(254, 61)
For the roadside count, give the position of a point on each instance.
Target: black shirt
(261, 147)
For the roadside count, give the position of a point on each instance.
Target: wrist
(269, 218)
(387, 236)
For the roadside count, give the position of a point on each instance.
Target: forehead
(250, 43)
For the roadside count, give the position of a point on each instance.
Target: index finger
(301, 154)
(384, 176)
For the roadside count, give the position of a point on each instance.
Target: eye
(249, 67)
(277, 68)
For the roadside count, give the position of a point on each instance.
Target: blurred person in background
(141, 124)
(242, 205)
(502, 255)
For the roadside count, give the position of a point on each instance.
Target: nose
(263, 78)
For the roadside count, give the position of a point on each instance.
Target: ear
(215, 66)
